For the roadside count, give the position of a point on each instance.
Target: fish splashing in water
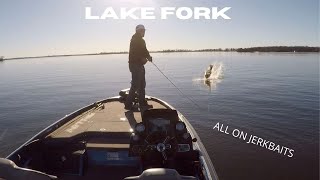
(212, 75)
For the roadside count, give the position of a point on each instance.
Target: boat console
(160, 138)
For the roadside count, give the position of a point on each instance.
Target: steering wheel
(163, 146)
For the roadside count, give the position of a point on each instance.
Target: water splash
(217, 71)
(216, 76)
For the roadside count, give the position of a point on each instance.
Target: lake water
(274, 96)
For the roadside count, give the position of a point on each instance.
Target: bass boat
(105, 141)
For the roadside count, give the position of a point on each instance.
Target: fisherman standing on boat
(138, 57)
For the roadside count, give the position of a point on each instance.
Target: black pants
(138, 84)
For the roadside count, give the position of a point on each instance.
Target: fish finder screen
(159, 124)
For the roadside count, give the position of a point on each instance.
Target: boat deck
(106, 130)
(110, 118)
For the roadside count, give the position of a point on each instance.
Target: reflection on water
(271, 95)
(3, 134)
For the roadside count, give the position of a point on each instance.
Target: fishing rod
(176, 86)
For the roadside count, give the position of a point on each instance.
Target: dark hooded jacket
(138, 50)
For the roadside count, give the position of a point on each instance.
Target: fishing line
(176, 86)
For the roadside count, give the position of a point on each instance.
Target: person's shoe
(145, 106)
(128, 107)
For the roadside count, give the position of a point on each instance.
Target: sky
(49, 27)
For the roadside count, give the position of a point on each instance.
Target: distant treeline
(251, 49)
(280, 49)
(198, 50)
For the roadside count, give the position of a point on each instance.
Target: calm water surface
(274, 96)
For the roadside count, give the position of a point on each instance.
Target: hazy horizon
(59, 27)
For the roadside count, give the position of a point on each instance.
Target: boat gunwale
(59, 123)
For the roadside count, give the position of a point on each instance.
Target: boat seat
(9, 170)
(160, 174)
